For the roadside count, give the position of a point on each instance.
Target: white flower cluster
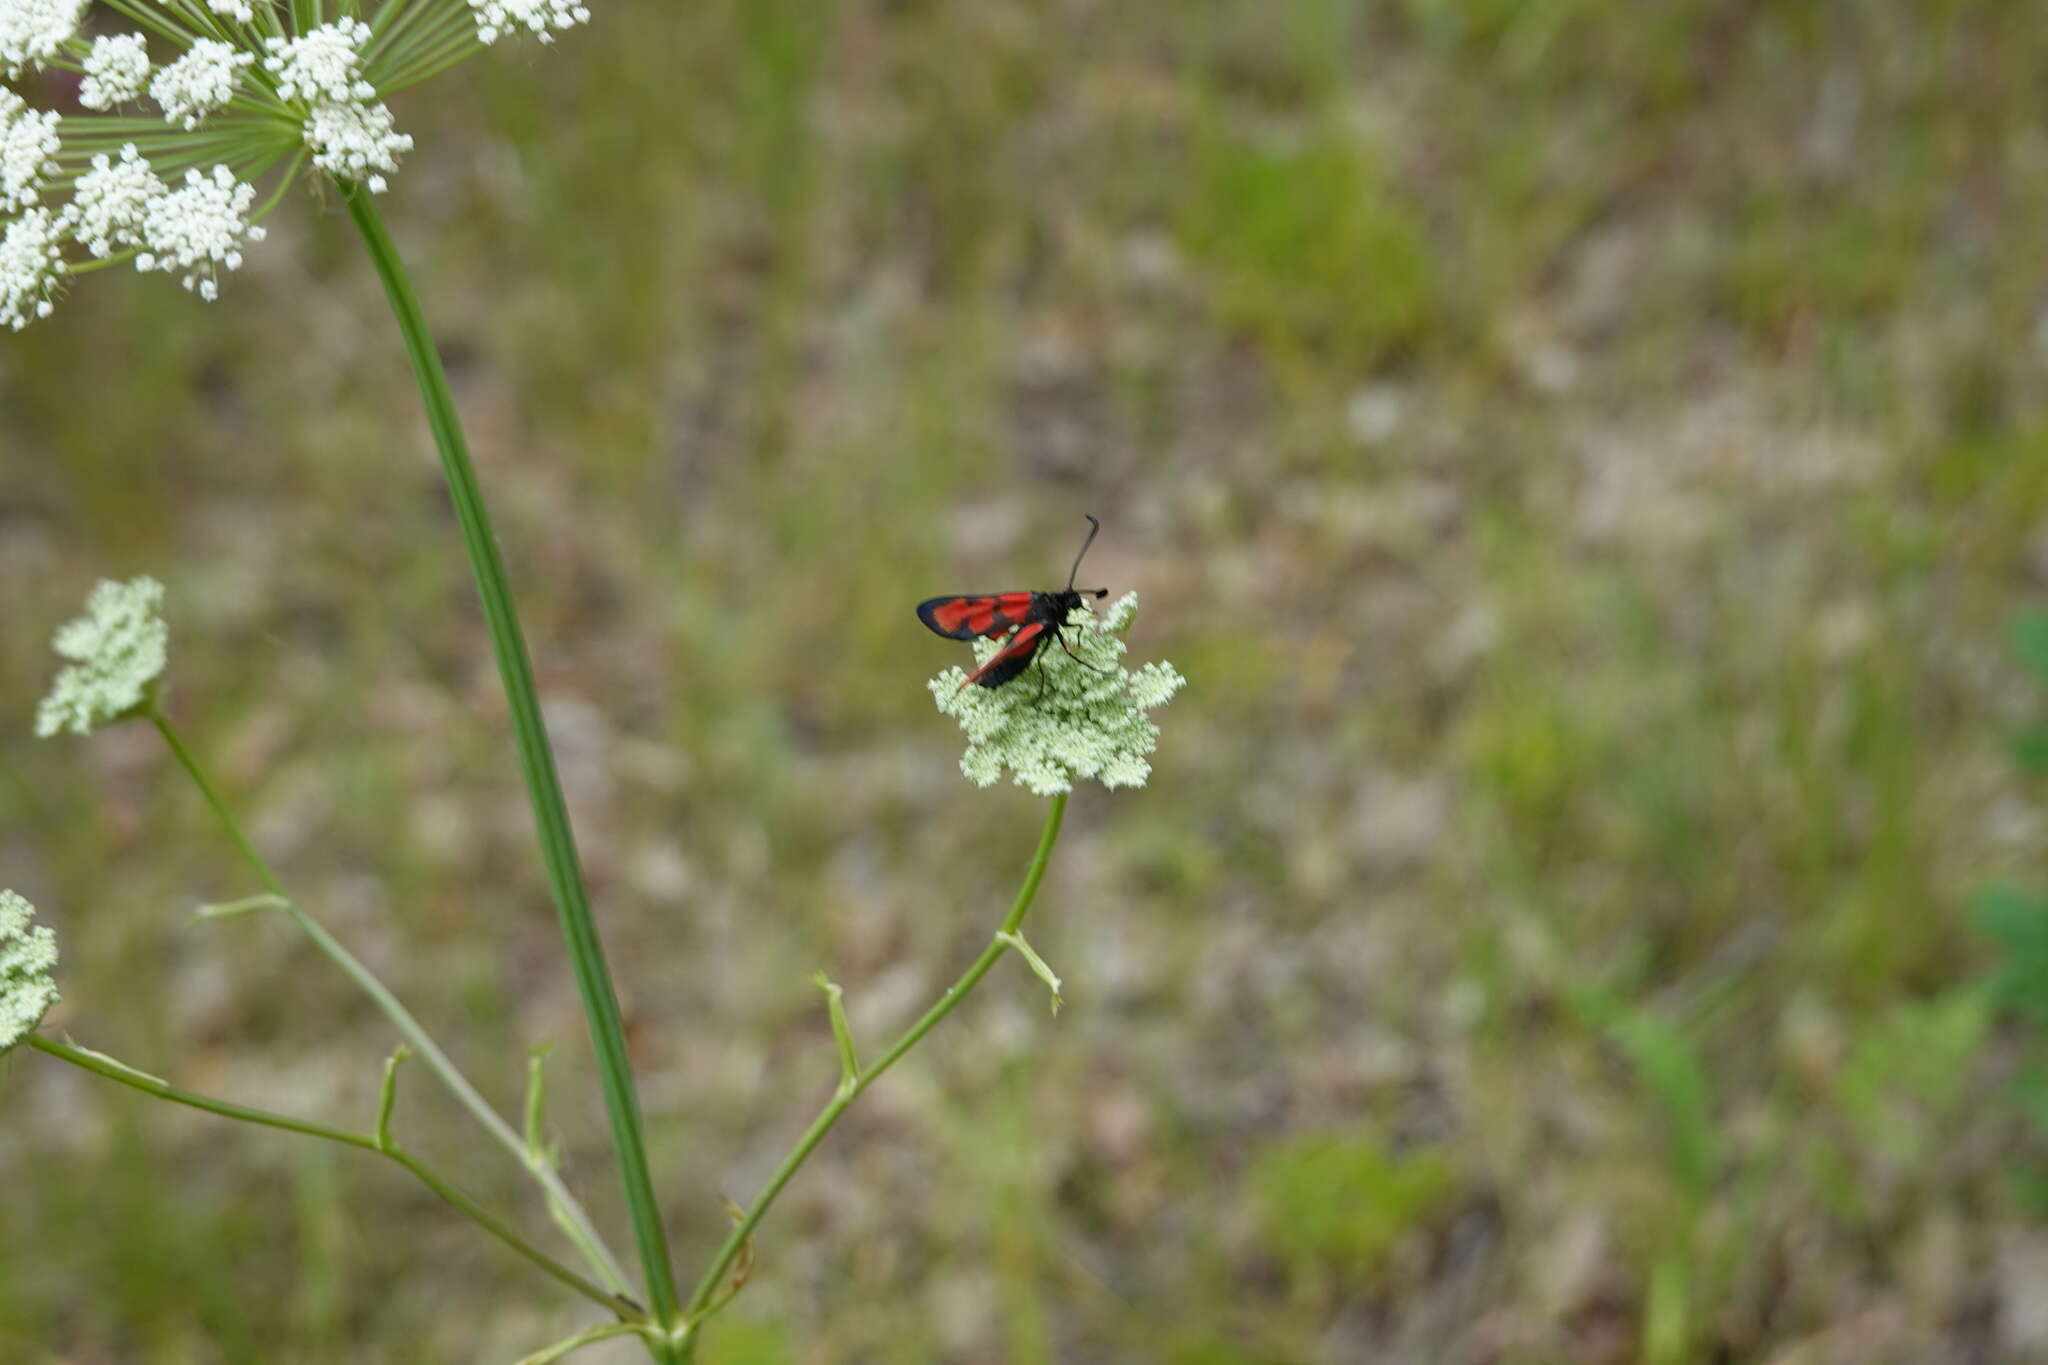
(110, 201)
(198, 227)
(28, 151)
(349, 131)
(538, 17)
(356, 142)
(199, 82)
(28, 957)
(323, 66)
(34, 31)
(116, 70)
(1085, 718)
(221, 111)
(117, 649)
(31, 262)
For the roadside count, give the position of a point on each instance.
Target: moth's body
(1033, 617)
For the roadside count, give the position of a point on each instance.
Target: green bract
(27, 956)
(1063, 720)
(116, 650)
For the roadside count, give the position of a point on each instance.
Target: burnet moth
(1035, 616)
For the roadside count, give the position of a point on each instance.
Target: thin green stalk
(575, 1221)
(743, 1228)
(101, 1065)
(543, 787)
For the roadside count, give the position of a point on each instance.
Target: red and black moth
(1035, 617)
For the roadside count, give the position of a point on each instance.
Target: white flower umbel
(28, 957)
(116, 70)
(356, 142)
(34, 31)
(31, 263)
(116, 650)
(198, 228)
(200, 82)
(110, 202)
(1080, 720)
(28, 150)
(322, 66)
(254, 93)
(538, 17)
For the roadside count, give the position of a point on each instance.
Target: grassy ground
(1585, 456)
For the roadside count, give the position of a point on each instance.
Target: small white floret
(28, 962)
(538, 17)
(199, 82)
(323, 65)
(356, 142)
(1065, 720)
(28, 151)
(34, 31)
(116, 650)
(116, 70)
(241, 11)
(31, 263)
(111, 200)
(198, 229)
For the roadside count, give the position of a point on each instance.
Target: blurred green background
(1587, 457)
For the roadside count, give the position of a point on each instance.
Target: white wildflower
(117, 649)
(199, 82)
(28, 150)
(323, 65)
(116, 70)
(240, 11)
(198, 227)
(28, 956)
(33, 31)
(1081, 719)
(111, 200)
(31, 260)
(538, 17)
(356, 142)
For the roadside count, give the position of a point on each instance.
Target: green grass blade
(551, 815)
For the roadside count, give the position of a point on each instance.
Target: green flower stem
(573, 1218)
(561, 1350)
(543, 788)
(102, 1065)
(743, 1229)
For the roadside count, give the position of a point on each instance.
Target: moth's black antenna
(1093, 527)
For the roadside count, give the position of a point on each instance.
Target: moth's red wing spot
(964, 617)
(948, 616)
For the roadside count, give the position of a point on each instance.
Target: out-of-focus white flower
(268, 98)
(356, 142)
(28, 957)
(199, 82)
(33, 31)
(1082, 720)
(323, 65)
(117, 649)
(538, 17)
(111, 201)
(28, 151)
(198, 228)
(116, 70)
(31, 263)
